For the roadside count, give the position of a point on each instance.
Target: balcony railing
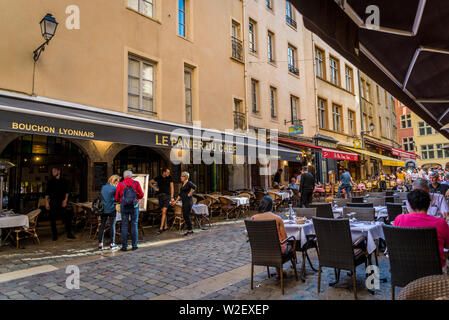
(239, 121)
(237, 49)
(293, 69)
(291, 22)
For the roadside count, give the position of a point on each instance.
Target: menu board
(100, 175)
(143, 180)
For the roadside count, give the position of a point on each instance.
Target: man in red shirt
(419, 201)
(135, 194)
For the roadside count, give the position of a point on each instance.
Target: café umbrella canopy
(48, 27)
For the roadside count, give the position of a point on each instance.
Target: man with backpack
(129, 194)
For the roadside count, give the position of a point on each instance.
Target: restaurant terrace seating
(361, 214)
(266, 248)
(228, 208)
(393, 209)
(426, 288)
(377, 202)
(413, 254)
(341, 202)
(323, 210)
(360, 205)
(337, 250)
(377, 194)
(22, 233)
(357, 199)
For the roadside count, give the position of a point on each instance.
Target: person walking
(129, 193)
(185, 195)
(109, 212)
(346, 183)
(56, 198)
(306, 187)
(164, 192)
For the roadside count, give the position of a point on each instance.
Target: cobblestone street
(213, 264)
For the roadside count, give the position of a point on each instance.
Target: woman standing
(109, 212)
(185, 195)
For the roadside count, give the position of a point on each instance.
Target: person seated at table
(438, 204)
(293, 185)
(436, 187)
(419, 201)
(400, 186)
(265, 213)
(277, 180)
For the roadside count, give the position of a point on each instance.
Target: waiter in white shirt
(438, 204)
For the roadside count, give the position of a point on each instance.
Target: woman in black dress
(185, 195)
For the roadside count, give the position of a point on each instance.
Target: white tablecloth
(240, 201)
(284, 195)
(14, 221)
(380, 212)
(372, 231)
(299, 231)
(200, 210)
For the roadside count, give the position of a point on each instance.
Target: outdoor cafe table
(285, 195)
(380, 212)
(240, 201)
(12, 220)
(371, 230)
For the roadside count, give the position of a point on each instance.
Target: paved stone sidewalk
(214, 262)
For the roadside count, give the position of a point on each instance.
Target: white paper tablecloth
(240, 201)
(371, 231)
(14, 221)
(284, 195)
(200, 209)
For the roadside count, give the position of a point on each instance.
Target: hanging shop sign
(357, 144)
(294, 130)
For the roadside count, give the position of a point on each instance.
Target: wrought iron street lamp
(48, 29)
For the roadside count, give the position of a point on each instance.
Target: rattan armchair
(228, 207)
(377, 202)
(207, 203)
(266, 248)
(337, 250)
(22, 233)
(323, 210)
(341, 202)
(215, 205)
(393, 209)
(361, 214)
(413, 254)
(426, 288)
(360, 205)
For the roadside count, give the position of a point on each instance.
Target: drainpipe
(318, 159)
(362, 125)
(245, 71)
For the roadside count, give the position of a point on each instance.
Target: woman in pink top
(419, 201)
(265, 208)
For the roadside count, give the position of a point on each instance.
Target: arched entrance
(34, 156)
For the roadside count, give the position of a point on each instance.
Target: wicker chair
(266, 248)
(245, 208)
(22, 233)
(393, 209)
(389, 199)
(357, 199)
(178, 221)
(426, 288)
(360, 205)
(377, 202)
(413, 254)
(337, 250)
(341, 202)
(377, 194)
(259, 196)
(323, 210)
(362, 214)
(215, 205)
(389, 193)
(277, 200)
(207, 203)
(309, 213)
(228, 207)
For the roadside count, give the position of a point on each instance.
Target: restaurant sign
(329, 154)
(294, 130)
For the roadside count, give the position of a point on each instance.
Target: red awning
(339, 155)
(326, 153)
(404, 154)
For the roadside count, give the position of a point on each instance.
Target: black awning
(35, 116)
(408, 55)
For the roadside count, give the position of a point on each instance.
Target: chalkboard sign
(100, 174)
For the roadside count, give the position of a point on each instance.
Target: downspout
(245, 78)
(315, 97)
(362, 125)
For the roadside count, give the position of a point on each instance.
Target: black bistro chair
(323, 210)
(337, 250)
(266, 248)
(393, 209)
(357, 199)
(360, 205)
(361, 214)
(413, 254)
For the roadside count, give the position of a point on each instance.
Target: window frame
(273, 101)
(270, 47)
(255, 96)
(335, 68)
(141, 97)
(294, 107)
(323, 120)
(190, 70)
(140, 6)
(320, 62)
(184, 13)
(252, 34)
(351, 122)
(351, 77)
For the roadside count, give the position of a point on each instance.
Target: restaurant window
(182, 23)
(270, 46)
(408, 144)
(294, 109)
(424, 129)
(427, 152)
(351, 123)
(319, 63)
(349, 78)
(406, 121)
(188, 84)
(322, 113)
(442, 152)
(254, 95)
(252, 36)
(140, 86)
(335, 76)
(292, 64)
(336, 117)
(273, 103)
(145, 7)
